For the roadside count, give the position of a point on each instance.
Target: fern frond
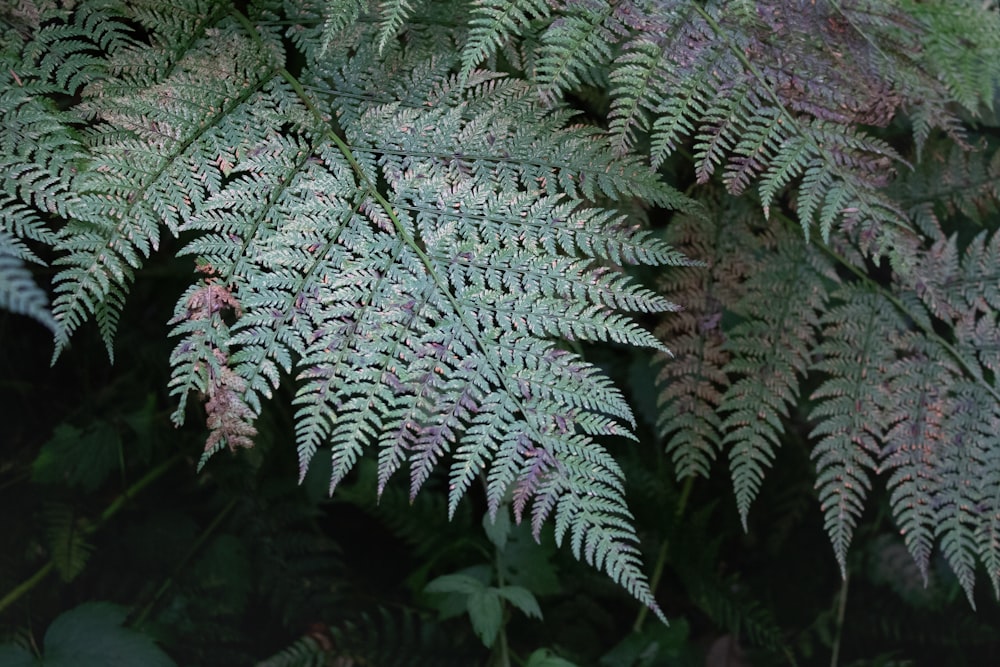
(392, 15)
(915, 442)
(151, 148)
(972, 75)
(770, 353)
(390, 639)
(951, 181)
(493, 22)
(412, 263)
(943, 405)
(855, 354)
(764, 93)
(19, 293)
(691, 378)
(579, 44)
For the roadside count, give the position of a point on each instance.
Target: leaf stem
(112, 509)
(841, 613)
(661, 559)
(192, 550)
(26, 585)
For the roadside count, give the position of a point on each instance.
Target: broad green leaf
(486, 614)
(90, 635)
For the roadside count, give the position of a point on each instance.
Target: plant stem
(504, 658)
(195, 547)
(26, 585)
(112, 509)
(841, 612)
(661, 559)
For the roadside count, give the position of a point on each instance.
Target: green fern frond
(151, 150)
(721, 77)
(855, 354)
(578, 44)
(691, 377)
(971, 75)
(384, 638)
(950, 407)
(915, 443)
(764, 93)
(770, 353)
(493, 22)
(412, 262)
(19, 293)
(948, 182)
(392, 15)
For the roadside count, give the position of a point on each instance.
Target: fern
(692, 376)
(67, 541)
(773, 95)
(18, 291)
(771, 351)
(855, 354)
(382, 638)
(410, 256)
(391, 207)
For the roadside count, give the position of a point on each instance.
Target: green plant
(430, 219)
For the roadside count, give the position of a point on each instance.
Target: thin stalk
(112, 509)
(194, 548)
(841, 613)
(504, 657)
(26, 585)
(661, 559)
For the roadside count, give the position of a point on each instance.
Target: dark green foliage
(422, 239)
(89, 636)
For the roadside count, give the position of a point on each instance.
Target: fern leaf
(148, 170)
(392, 639)
(950, 181)
(495, 21)
(987, 517)
(691, 378)
(723, 75)
(18, 291)
(971, 76)
(855, 354)
(770, 352)
(412, 264)
(392, 14)
(915, 443)
(577, 44)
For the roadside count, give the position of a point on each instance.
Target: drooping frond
(18, 291)
(850, 423)
(944, 413)
(67, 541)
(914, 444)
(412, 254)
(494, 22)
(148, 165)
(691, 377)
(770, 352)
(387, 638)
